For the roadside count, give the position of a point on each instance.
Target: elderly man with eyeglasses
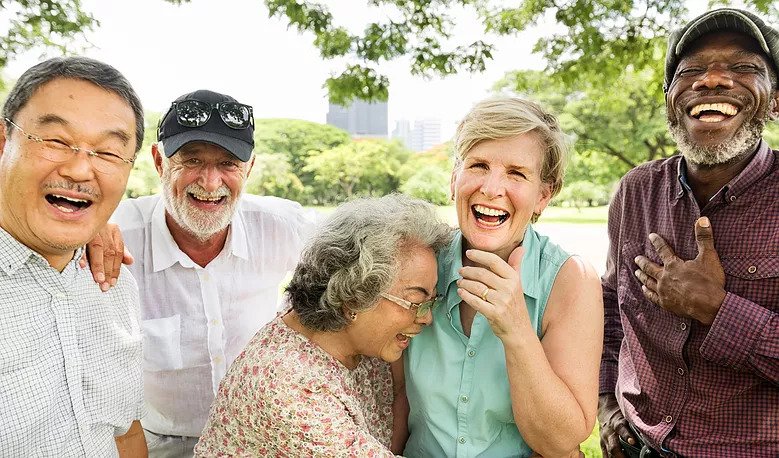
(70, 355)
(208, 261)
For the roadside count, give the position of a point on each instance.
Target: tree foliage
(595, 40)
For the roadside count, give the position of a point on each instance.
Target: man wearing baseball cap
(208, 261)
(691, 292)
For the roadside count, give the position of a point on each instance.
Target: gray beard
(745, 138)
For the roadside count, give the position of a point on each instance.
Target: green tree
(595, 40)
(429, 183)
(144, 179)
(359, 168)
(272, 176)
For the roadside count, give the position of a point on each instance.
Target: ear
(155, 153)
(773, 107)
(544, 198)
(251, 166)
(453, 179)
(2, 138)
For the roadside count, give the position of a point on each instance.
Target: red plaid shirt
(691, 389)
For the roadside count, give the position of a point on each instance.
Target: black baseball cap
(720, 20)
(239, 142)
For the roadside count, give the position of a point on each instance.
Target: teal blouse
(457, 387)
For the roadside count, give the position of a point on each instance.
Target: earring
(353, 316)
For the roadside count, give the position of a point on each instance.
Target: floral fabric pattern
(285, 396)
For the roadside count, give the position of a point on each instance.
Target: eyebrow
(53, 119)
(419, 289)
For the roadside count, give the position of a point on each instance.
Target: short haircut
(354, 257)
(501, 117)
(81, 68)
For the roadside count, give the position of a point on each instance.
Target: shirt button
(668, 418)
(215, 322)
(461, 439)
(217, 359)
(60, 295)
(732, 198)
(752, 269)
(683, 326)
(464, 398)
(471, 352)
(680, 371)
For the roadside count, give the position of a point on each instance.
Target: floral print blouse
(285, 396)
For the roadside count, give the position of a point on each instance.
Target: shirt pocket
(162, 344)
(753, 277)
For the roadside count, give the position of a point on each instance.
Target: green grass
(587, 215)
(591, 447)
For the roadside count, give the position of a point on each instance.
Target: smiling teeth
(71, 199)
(489, 211)
(724, 108)
(207, 199)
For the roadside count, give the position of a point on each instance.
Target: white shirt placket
(212, 307)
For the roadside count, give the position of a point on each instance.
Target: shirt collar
(165, 252)
(450, 262)
(15, 254)
(761, 163)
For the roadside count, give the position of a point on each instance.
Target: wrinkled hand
(691, 289)
(613, 425)
(504, 304)
(103, 255)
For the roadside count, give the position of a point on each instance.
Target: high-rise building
(402, 132)
(361, 119)
(425, 134)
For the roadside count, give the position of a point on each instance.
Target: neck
(201, 252)
(57, 259)
(707, 180)
(336, 344)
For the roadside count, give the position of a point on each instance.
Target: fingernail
(100, 277)
(704, 222)
(112, 282)
(636, 273)
(652, 236)
(636, 259)
(104, 287)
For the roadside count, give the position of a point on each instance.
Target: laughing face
(201, 185)
(497, 189)
(55, 207)
(386, 330)
(720, 98)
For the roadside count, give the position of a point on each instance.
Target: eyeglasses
(196, 113)
(56, 150)
(422, 308)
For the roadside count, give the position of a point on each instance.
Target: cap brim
(237, 148)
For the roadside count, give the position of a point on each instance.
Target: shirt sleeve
(744, 336)
(316, 423)
(612, 332)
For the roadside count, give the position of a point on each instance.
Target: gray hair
(82, 68)
(353, 257)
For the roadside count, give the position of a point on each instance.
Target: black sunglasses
(196, 113)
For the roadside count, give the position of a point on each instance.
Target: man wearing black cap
(691, 292)
(208, 261)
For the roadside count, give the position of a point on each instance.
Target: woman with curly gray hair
(315, 381)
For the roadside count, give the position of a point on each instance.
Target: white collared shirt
(196, 320)
(70, 357)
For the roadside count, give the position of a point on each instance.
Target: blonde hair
(502, 116)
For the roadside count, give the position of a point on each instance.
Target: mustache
(718, 92)
(71, 186)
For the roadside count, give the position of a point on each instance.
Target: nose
(78, 167)
(425, 319)
(713, 78)
(210, 177)
(492, 186)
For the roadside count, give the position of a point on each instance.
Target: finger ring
(484, 294)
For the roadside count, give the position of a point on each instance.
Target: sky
(231, 46)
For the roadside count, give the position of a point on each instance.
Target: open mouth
(489, 216)
(206, 199)
(404, 338)
(68, 204)
(713, 112)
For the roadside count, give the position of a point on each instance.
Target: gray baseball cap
(720, 20)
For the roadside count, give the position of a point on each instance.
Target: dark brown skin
(689, 289)
(612, 426)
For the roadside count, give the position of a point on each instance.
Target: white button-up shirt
(196, 320)
(70, 357)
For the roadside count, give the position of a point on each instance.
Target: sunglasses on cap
(196, 113)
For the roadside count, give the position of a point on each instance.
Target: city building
(361, 119)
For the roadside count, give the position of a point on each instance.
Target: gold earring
(353, 316)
